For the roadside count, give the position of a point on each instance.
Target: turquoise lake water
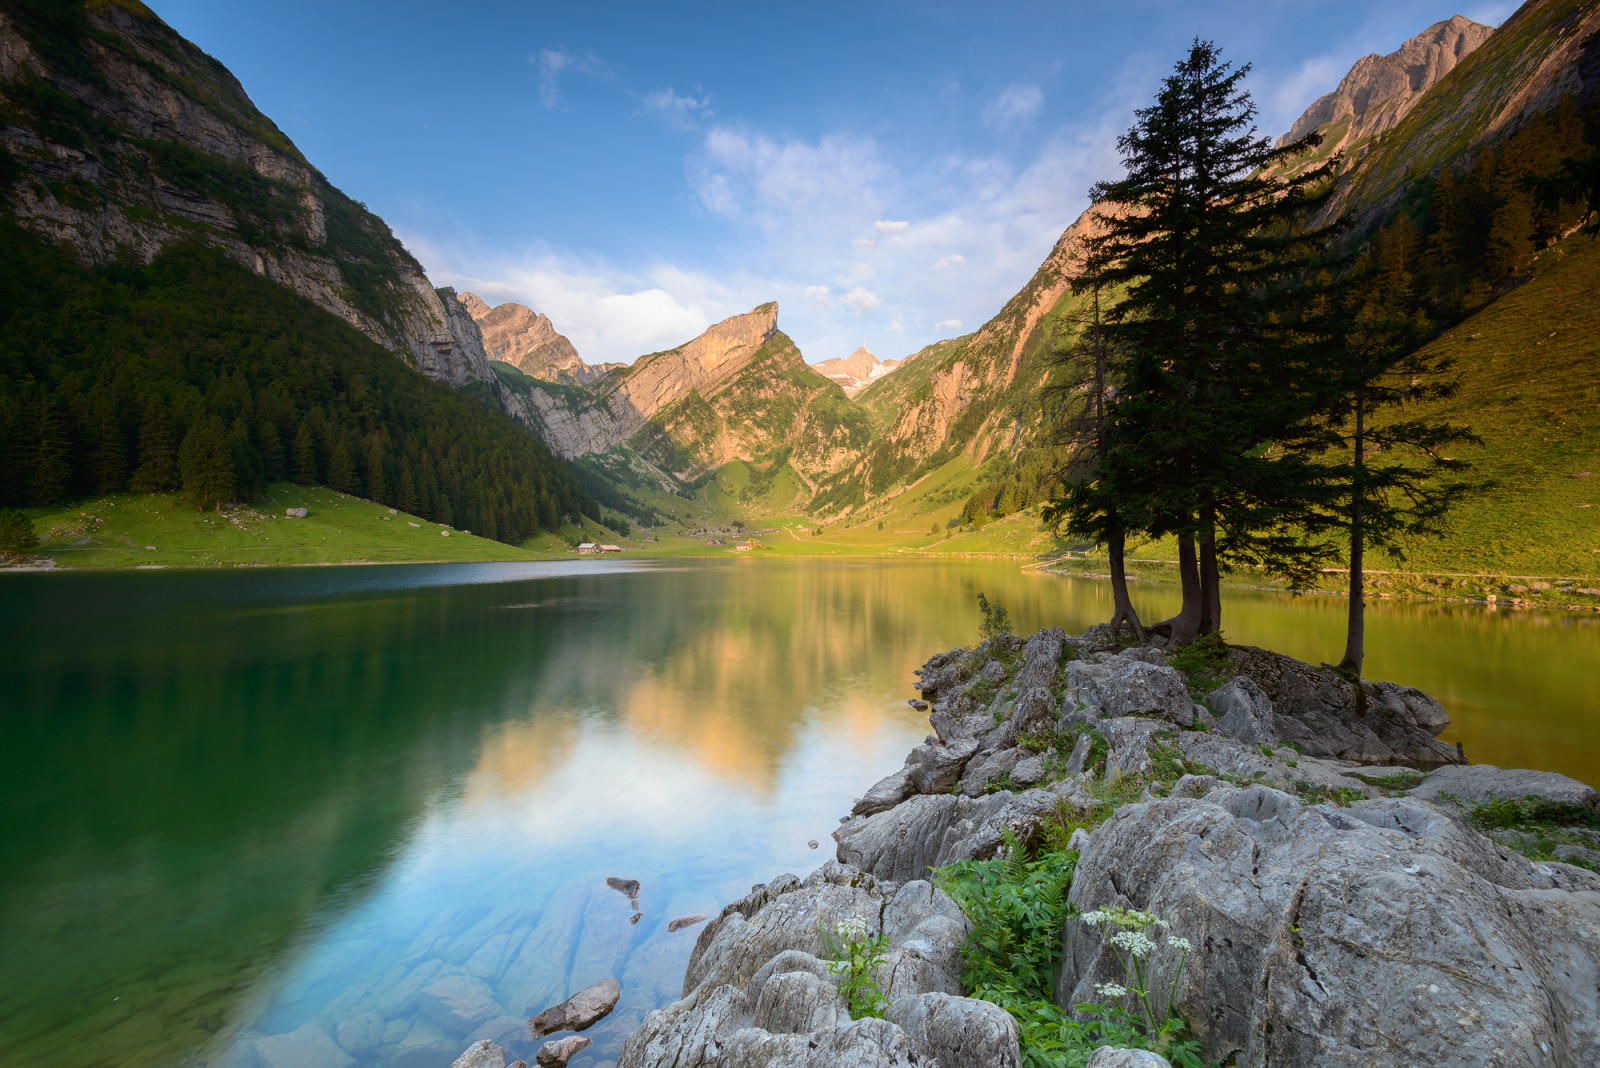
(362, 816)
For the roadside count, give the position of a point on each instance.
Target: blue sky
(890, 173)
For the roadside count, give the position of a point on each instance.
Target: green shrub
(16, 532)
(996, 621)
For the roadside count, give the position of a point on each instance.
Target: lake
(362, 816)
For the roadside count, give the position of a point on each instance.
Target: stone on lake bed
(305, 1047)
(582, 1010)
(625, 886)
(481, 1054)
(556, 1053)
(685, 921)
(361, 1033)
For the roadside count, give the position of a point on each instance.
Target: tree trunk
(1356, 625)
(1210, 581)
(1122, 607)
(1186, 624)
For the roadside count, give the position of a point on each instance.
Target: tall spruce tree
(1216, 357)
(1394, 482)
(206, 462)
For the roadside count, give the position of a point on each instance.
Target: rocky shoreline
(1353, 891)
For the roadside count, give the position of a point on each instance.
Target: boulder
(582, 1010)
(557, 1052)
(1476, 783)
(988, 770)
(295, 513)
(1125, 686)
(933, 768)
(886, 793)
(757, 992)
(1246, 711)
(1386, 927)
(931, 830)
(1041, 659)
(482, 1054)
(1328, 715)
(685, 921)
(1035, 711)
(1112, 1057)
(959, 1032)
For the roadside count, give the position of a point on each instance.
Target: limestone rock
(1317, 931)
(482, 1054)
(933, 769)
(580, 1011)
(305, 1047)
(1476, 783)
(1246, 711)
(529, 342)
(685, 921)
(1327, 715)
(757, 993)
(1124, 686)
(959, 1032)
(360, 1033)
(557, 1052)
(1111, 1057)
(457, 1002)
(1379, 91)
(931, 830)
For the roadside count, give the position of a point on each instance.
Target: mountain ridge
(856, 371)
(528, 340)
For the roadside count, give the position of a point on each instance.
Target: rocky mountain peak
(1380, 90)
(529, 341)
(856, 371)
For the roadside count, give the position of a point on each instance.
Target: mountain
(1380, 90)
(741, 391)
(122, 139)
(528, 341)
(236, 319)
(856, 371)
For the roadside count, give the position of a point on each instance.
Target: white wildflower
(1095, 918)
(1111, 990)
(854, 929)
(1180, 943)
(1135, 942)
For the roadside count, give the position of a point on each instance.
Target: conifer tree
(205, 461)
(109, 468)
(158, 468)
(16, 532)
(377, 482)
(271, 451)
(50, 471)
(305, 456)
(342, 469)
(1203, 236)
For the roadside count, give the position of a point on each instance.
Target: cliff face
(856, 371)
(121, 138)
(529, 342)
(1379, 91)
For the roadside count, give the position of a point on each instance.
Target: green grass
(165, 530)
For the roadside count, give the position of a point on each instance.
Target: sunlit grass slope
(133, 530)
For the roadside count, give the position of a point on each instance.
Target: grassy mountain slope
(1530, 62)
(1529, 366)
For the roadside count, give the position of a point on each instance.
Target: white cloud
(897, 325)
(818, 296)
(864, 242)
(1017, 103)
(784, 186)
(678, 111)
(1289, 100)
(609, 314)
(862, 300)
(953, 260)
(946, 324)
(888, 226)
(553, 63)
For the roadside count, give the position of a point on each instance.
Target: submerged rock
(556, 1053)
(580, 1011)
(685, 921)
(481, 1054)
